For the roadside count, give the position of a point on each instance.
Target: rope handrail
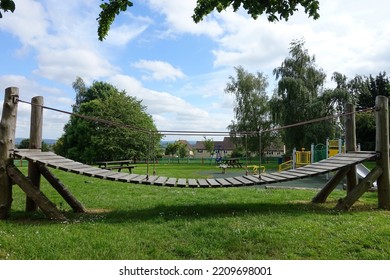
(194, 132)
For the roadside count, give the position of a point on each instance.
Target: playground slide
(363, 171)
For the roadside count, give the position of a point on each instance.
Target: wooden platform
(331, 164)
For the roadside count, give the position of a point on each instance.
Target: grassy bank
(126, 221)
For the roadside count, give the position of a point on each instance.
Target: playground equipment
(344, 164)
(316, 153)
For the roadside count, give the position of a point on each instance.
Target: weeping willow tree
(300, 97)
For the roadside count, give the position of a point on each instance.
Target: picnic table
(116, 165)
(232, 162)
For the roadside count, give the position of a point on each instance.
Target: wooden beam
(359, 190)
(382, 149)
(331, 185)
(47, 207)
(36, 121)
(62, 190)
(7, 143)
(350, 144)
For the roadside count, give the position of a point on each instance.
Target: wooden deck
(331, 164)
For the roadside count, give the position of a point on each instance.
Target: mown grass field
(126, 221)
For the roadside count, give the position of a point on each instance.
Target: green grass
(126, 221)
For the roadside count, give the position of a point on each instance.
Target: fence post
(382, 149)
(35, 143)
(7, 143)
(350, 144)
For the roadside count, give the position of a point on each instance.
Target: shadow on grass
(207, 211)
(192, 212)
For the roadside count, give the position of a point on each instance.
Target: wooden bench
(120, 167)
(233, 162)
(116, 165)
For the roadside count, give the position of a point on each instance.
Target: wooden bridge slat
(223, 182)
(151, 179)
(332, 164)
(69, 167)
(252, 178)
(301, 171)
(138, 179)
(160, 181)
(213, 183)
(127, 178)
(319, 168)
(82, 171)
(279, 176)
(181, 182)
(244, 181)
(117, 176)
(234, 182)
(265, 178)
(104, 175)
(192, 183)
(203, 183)
(296, 174)
(171, 182)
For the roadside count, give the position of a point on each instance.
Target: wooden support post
(382, 149)
(359, 190)
(35, 143)
(62, 190)
(331, 185)
(47, 207)
(7, 143)
(350, 144)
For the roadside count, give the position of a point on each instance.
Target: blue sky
(178, 68)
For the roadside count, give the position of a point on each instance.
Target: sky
(179, 69)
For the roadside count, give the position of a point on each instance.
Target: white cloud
(178, 18)
(171, 112)
(158, 70)
(64, 65)
(122, 34)
(27, 15)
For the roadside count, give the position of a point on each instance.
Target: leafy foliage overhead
(279, 9)
(7, 5)
(274, 9)
(108, 13)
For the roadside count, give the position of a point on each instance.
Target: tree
(208, 145)
(6, 5)
(372, 87)
(279, 9)
(172, 148)
(108, 125)
(108, 13)
(183, 150)
(365, 131)
(299, 97)
(251, 109)
(25, 144)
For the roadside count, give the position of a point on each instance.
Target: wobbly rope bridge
(39, 163)
(328, 165)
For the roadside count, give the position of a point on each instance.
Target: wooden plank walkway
(327, 165)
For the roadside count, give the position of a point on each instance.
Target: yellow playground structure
(303, 157)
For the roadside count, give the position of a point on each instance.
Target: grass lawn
(127, 221)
